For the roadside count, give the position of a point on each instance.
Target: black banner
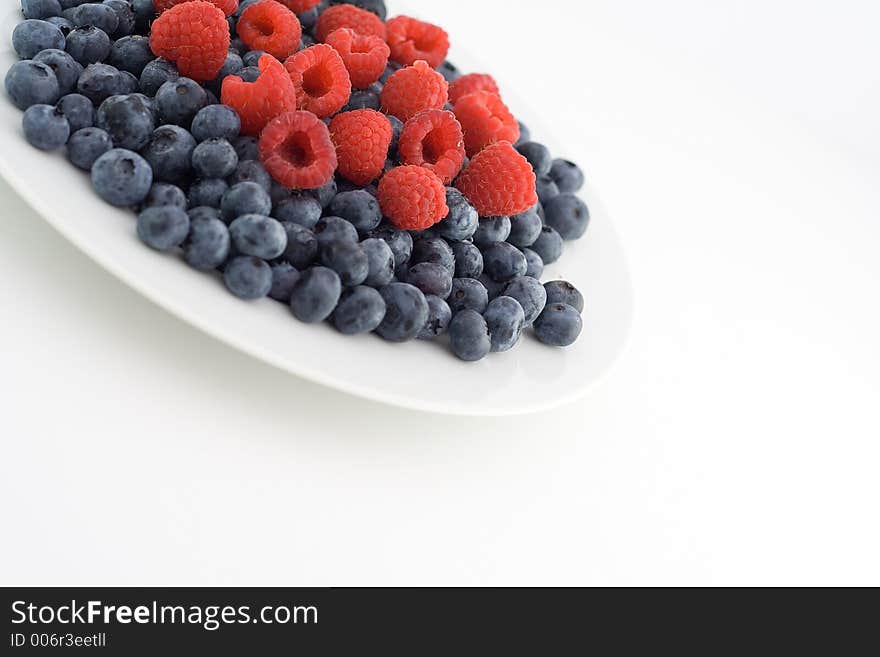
(148, 621)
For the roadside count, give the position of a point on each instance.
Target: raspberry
(296, 150)
(485, 119)
(412, 197)
(228, 6)
(354, 18)
(468, 84)
(270, 26)
(194, 35)
(365, 57)
(362, 138)
(299, 6)
(414, 89)
(499, 181)
(259, 102)
(321, 81)
(411, 40)
(433, 140)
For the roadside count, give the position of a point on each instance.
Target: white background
(737, 146)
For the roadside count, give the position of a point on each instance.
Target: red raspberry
(194, 35)
(499, 181)
(299, 6)
(414, 89)
(433, 140)
(228, 6)
(355, 18)
(362, 138)
(365, 57)
(470, 83)
(485, 119)
(412, 197)
(259, 102)
(270, 26)
(297, 152)
(412, 39)
(321, 81)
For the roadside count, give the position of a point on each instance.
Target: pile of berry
(313, 152)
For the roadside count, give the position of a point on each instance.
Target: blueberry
(347, 259)
(363, 99)
(163, 227)
(399, 241)
(308, 19)
(530, 295)
(214, 158)
(390, 70)
(40, 8)
(375, 6)
(567, 176)
(165, 194)
(216, 122)
(381, 262)
(247, 148)
(359, 208)
(548, 245)
(431, 278)
(302, 210)
(505, 318)
(546, 189)
(559, 325)
(45, 127)
(122, 177)
(207, 193)
(31, 36)
(132, 54)
(259, 236)
(406, 313)
(396, 129)
(249, 73)
(538, 156)
(493, 287)
(180, 100)
(525, 228)
(525, 134)
(31, 83)
(535, 265)
(61, 23)
(324, 194)
(335, 229)
(253, 171)
(87, 145)
(67, 4)
(208, 244)
(155, 74)
(315, 295)
(469, 336)
(449, 71)
(128, 120)
(169, 153)
(128, 84)
(360, 310)
(126, 17)
(468, 260)
(462, 221)
(468, 293)
(78, 110)
(204, 212)
(252, 58)
(67, 70)
(88, 44)
(100, 16)
(302, 245)
(439, 316)
(564, 292)
(433, 249)
(100, 81)
(231, 66)
(248, 277)
(568, 215)
(284, 277)
(144, 12)
(244, 198)
(504, 262)
(491, 230)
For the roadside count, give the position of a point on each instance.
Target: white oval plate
(417, 375)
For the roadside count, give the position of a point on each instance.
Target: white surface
(735, 443)
(528, 379)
